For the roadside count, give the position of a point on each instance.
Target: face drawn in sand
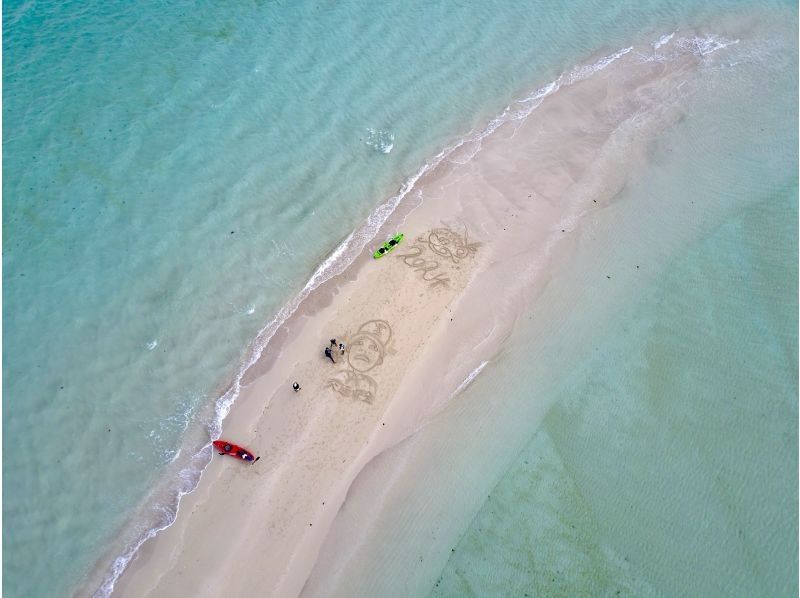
(449, 244)
(368, 345)
(365, 351)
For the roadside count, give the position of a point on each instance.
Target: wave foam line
(530, 103)
(342, 257)
(468, 380)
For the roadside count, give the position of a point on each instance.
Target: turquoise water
(174, 177)
(668, 466)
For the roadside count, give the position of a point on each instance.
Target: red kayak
(234, 450)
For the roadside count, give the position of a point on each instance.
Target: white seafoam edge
(349, 249)
(468, 380)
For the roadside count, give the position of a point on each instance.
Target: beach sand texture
(494, 219)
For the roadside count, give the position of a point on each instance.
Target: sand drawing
(448, 244)
(427, 267)
(365, 351)
(443, 242)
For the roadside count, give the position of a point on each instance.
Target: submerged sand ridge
(416, 322)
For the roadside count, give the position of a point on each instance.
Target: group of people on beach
(329, 354)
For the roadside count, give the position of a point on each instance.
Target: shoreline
(412, 403)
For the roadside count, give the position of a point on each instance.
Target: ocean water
(177, 178)
(668, 464)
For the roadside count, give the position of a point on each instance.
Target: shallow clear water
(668, 464)
(173, 175)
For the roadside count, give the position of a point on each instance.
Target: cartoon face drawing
(449, 244)
(365, 352)
(368, 345)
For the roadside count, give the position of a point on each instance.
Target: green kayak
(388, 246)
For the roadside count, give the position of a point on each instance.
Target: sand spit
(416, 323)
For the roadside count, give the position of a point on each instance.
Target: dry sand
(415, 322)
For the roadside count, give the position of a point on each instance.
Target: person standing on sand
(328, 354)
(295, 386)
(341, 348)
(333, 343)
